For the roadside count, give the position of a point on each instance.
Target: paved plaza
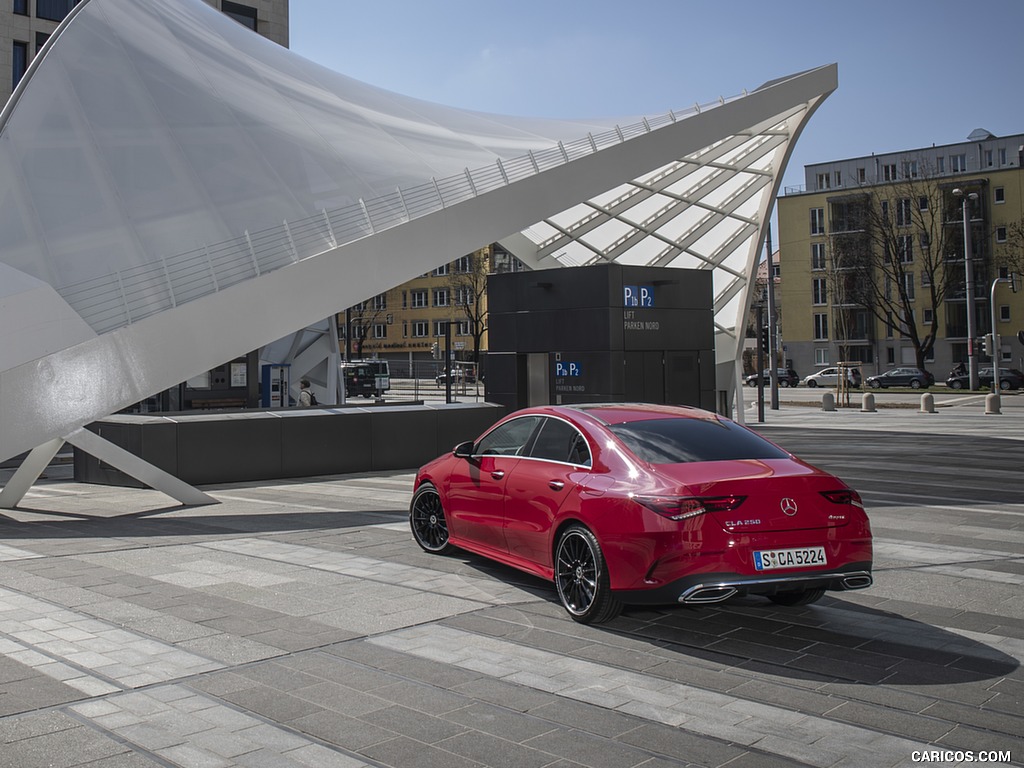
(296, 623)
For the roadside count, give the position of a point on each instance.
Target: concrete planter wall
(206, 448)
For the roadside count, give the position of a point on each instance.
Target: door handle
(556, 485)
(498, 474)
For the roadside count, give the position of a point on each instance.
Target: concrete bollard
(867, 403)
(828, 402)
(992, 403)
(927, 403)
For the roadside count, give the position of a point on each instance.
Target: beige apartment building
(407, 322)
(26, 25)
(873, 257)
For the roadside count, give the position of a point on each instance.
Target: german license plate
(770, 559)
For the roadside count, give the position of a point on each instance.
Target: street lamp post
(972, 359)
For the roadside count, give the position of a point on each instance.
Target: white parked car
(829, 377)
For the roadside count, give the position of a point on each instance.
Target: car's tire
(1004, 385)
(915, 384)
(874, 385)
(957, 385)
(812, 383)
(797, 597)
(427, 520)
(783, 383)
(581, 577)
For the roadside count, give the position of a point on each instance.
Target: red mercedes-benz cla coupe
(629, 504)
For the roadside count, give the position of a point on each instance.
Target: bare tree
(893, 258)
(361, 319)
(468, 286)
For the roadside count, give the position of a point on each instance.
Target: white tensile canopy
(176, 191)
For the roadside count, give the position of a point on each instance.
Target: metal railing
(125, 296)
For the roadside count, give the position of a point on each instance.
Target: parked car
(458, 376)
(902, 377)
(829, 377)
(1009, 378)
(787, 378)
(649, 504)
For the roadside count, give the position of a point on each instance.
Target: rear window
(677, 441)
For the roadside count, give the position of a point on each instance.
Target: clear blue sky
(911, 72)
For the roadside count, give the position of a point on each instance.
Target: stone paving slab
(297, 624)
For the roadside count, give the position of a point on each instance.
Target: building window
(817, 221)
(440, 297)
(823, 181)
(380, 301)
(817, 256)
(1000, 195)
(925, 241)
(1000, 234)
(380, 331)
(888, 315)
(821, 356)
(903, 216)
(440, 271)
(928, 316)
(820, 326)
(1002, 156)
(910, 169)
(19, 59)
(885, 210)
(940, 164)
(464, 265)
(958, 163)
(908, 282)
(905, 243)
(862, 176)
(462, 328)
(926, 279)
(839, 178)
(439, 326)
(464, 296)
(243, 14)
(41, 38)
(989, 158)
(922, 203)
(420, 328)
(21, 7)
(419, 299)
(889, 171)
(54, 10)
(1004, 313)
(819, 291)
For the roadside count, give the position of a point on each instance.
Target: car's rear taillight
(683, 507)
(844, 496)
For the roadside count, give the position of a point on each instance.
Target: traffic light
(766, 346)
(986, 344)
(435, 351)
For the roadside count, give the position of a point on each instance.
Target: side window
(559, 441)
(508, 439)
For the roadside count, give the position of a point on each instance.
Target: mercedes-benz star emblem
(788, 506)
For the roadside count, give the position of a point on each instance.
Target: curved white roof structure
(176, 191)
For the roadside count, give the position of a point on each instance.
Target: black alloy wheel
(812, 383)
(915, 383)
(957, 384)
(581, 577)
(797, 597)
(426, 518)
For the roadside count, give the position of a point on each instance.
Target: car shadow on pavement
(831, 641)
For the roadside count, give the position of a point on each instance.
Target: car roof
(620, 413)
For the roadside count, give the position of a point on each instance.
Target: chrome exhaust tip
(707, 594)
(858, 581)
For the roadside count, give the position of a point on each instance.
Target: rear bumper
(716, 587)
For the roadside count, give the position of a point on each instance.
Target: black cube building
(606, 333)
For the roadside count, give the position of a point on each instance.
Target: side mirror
(463, 450)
